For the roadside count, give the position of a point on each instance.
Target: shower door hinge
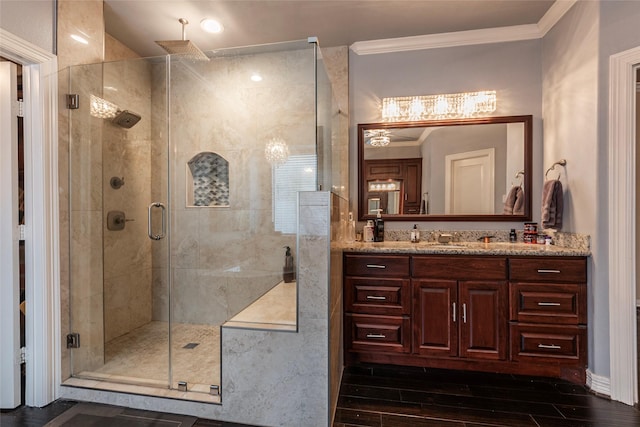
(73, 340)
(23, 355)
(73, 101)
(22, 232)
(19, 108)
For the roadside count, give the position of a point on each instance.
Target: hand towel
(514, 203)
(552, 204)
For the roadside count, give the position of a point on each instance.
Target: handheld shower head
(183, 47)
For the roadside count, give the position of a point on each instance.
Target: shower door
(183, 182)
(118, 276)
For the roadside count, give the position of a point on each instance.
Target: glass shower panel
(233, 199)
(326, 114)
(118, 275)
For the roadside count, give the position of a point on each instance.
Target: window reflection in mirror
(461, 169)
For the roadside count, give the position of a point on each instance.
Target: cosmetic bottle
(513, 237)
(367, 232)
(378, 228)
(287, 269)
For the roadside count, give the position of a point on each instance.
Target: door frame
(9, 253)
(622, 224)
(42, 248)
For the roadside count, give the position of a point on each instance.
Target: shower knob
(116, 220)
(116, 182)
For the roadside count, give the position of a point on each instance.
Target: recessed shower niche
(208, 180)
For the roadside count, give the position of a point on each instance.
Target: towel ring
(561, 162)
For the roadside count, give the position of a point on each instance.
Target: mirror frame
(527, 180)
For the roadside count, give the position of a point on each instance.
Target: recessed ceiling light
(256, 77)
(211, 25)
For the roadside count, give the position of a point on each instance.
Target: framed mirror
(475, 169)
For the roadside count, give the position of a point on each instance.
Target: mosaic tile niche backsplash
(210, 180)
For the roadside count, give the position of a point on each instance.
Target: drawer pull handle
(542, 271)
(376, 266)
(549, 304)
(377, 298)
(464, 313)
(454, 317)
(550, 347)
(376, 336)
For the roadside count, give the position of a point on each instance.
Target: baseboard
(599, 384)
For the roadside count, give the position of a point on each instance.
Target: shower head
(183, 47)
(126, 119)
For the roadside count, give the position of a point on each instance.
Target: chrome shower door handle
(164, 222)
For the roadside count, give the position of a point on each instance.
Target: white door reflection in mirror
(469, 182)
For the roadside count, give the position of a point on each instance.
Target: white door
(469, 182)
(9, 241)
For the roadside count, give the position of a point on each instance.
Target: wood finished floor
(384, 396)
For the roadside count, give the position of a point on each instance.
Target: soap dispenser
(378, 227)
(415, 234)
(287, 269)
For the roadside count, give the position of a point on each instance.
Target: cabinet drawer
(552, 270)
(548, 303)
(540, 343)
(378, 296)
(378, 333)
(460, 267)
(377, 266)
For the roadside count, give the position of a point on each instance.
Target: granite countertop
(463, 248)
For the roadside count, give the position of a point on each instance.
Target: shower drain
(191, 345)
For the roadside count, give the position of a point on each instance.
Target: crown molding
(21, 51)
(467, 38)
(554, 14)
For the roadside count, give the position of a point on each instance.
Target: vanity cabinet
(548, 319)
(512, 314)
(460, 307)
(377, 298)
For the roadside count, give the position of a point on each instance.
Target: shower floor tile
(141, 356)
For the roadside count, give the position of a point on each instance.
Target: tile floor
(141, 356)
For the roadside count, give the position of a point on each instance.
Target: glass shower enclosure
(183, 189)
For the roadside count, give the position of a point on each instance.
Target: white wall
(512, 69)
(569, 108)
(14, 14)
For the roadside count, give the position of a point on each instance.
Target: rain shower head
(183, 47)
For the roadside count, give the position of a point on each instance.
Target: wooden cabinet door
(483, 319)
(435, 327)
(412, 186)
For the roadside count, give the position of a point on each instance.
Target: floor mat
(97, 415)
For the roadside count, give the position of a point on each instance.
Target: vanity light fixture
(446, 106)
(377, 137)
(276, 151)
